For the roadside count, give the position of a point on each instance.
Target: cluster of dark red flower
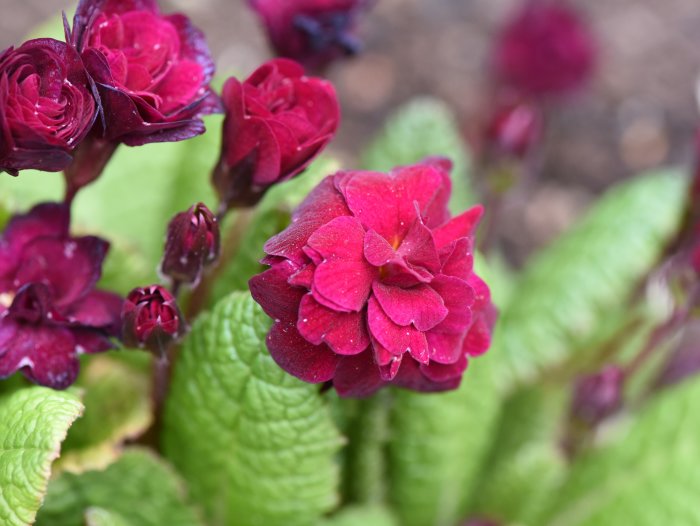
(371, 284)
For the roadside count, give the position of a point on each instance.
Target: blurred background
(638, 113)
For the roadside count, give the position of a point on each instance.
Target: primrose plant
(290, 343)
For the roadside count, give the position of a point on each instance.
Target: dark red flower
(276, 122)
(313, 32)
(49, 310)
(514, 129)
(151, 319)
(545, 49)
(192, 244)
(152, 71)
(46, 105)
(597, 396)
(372, 283)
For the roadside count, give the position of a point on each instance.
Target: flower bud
(151, 319)
(514, 129)
(191, 245)
(598, 396)
(545, 49)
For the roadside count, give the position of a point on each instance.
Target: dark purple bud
(514, 129)
(598, 396)
(151, 319)
(684, 361)
(192, 244)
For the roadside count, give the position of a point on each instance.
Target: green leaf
(117, 407)
(571, 288)
(139, 488)
(362, 516)
(422, 128)
(256, 445)
(647, 476)
(102, 517)
(250, 232)
(436, 446)
(33, 423)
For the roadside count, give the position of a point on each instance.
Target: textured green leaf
(102, 517)
(117, 407)
(362, 516)
(269, 217)
(436, 446)
(570, 288)
(139, 488)
(648, 476)
(422, 128)
(256, 445)
(33, 422)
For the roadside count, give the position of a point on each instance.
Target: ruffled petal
(396, 339)
(419, 305)
(308, 362)
(344, 333)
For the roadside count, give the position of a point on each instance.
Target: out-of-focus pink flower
(276, 122)
(152, 71)
(545, 49)
(192, 243)
(373, 283)
(46, 105)
(151, 319)
(514, 129)
(313, 32)
(49, 310)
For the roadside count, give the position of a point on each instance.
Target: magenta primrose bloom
(46, 105)
(373, 284)
(545, 49)
(50, 311)
(152, 70)
(313, 32)
(277, 121)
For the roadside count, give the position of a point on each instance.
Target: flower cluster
(50, 311)
(373, 283)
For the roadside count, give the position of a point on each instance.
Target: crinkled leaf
(139, 488)
(33, 423)
(117, 407)
(436, 445)
(648, 476)
(422, 128)
(267, 219)
(570, 288)
(256, 445)
(362, 516)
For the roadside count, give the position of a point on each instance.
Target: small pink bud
(192, 244)
(598, 396)
(151, 319)
(514, 129)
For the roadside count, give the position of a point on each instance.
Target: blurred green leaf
(572, 287)
(647, 476)
(139, 488)
(33, 423)
(102, 517)
(256, 444)
(424, 127)
(361, 516)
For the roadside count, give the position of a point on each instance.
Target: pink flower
(46, 105)
(545, 49)
(49, 310)
(152, 71)
(372, 283)
(277, 121)
(313, 32)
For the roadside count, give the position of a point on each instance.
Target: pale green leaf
(103, 517)
(647, 476)
(33, 423)
(139, 488)
(422, 128)
(570, 288)
(362, 516)
(256, 445)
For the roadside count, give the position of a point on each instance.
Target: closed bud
(514, 129)
(151, 319)
(191, 245)
(598, 396)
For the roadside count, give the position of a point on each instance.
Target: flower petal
(344, 333)
(357, 376)
(308, 362)
(419, 305)
(278, 299)
(397, 340)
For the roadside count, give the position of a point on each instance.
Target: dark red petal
(478, 339)
(396, 339)
(49, 355)
(458, 259)
(419, 248)
(419, 305)
(357, 376)
(99, 309)
(344, 333)
(411, 377)
(458, 297)
(445, 347)
(440, 373)
(461, 226)
(308, 362)
(278, 298)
